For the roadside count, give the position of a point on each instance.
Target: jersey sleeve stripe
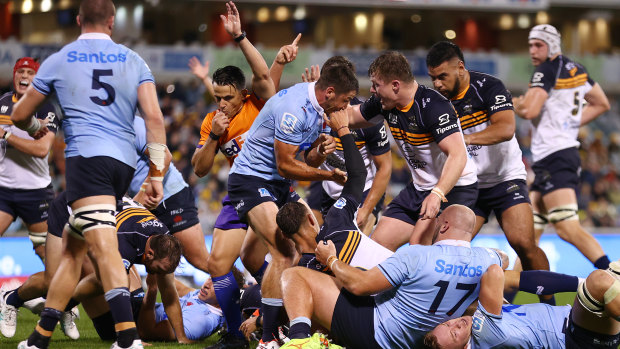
(119, 222)
(346, 255)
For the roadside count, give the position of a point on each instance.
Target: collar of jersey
(452, 242)
(91, 36)
(213, 309)
(14, 98)
(313, 100)
(460, 95)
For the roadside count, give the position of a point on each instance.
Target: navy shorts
(228, 217)
(558, 170)
(501, 197)
(179, 211)
(99, 175)
(247, 192)
(406, 206)
(353, 322)
(578, 337)
(58, 215)
(31, 205)
(319, 196)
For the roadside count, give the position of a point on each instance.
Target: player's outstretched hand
(339, 176)
(311, 74)
(430, 206)
(197, 68)
(232, 20)
(248, 327)
(154, 194)
(324, 250)
(288, 53)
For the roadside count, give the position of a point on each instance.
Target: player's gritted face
(455, 333)
(207, 293)
(538, 51)
(384, 91)
(445, 78)
(22, 79)
(336, 101)
(229, 99)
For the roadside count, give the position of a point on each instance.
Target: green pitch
(89, 339)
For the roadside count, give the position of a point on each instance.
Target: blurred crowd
(185, 105)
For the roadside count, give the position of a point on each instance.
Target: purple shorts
(228, 217)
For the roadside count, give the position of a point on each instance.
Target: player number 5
(98, 84)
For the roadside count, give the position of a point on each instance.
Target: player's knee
(91, 217)
(217, 266)
(290, 276)
(540, 220)
(37, 238)
(599, 289)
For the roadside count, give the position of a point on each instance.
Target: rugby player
(414, 290)
(426, 129)
(554, 103)
(98, 84)
(260, 179)
(225, 130)
(592, 322)
(25, 183)
(485, 111)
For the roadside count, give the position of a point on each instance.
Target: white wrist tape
(157, 155)
(34, 126)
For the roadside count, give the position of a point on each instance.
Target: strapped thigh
(91, 217)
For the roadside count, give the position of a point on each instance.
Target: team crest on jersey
(126, 263)
(4, 108)
(481, 82)
(392, 118)
(288, 123)
(264, 192)
(477, 322)
(468, 108)
(342, 202)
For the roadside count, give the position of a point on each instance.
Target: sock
(258, 276)
(300, 328)
(49, 319)
(271, 311)
(602, 263)
(543, 282)
(120, 307)
(104, 325)
(126, 337)
(227, 294)
(13, 298)
(72, 304)
(38, 340)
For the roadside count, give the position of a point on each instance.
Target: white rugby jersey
(557, 126)
(485, 96)
(417, 129)
(19, 170)
(371, 141)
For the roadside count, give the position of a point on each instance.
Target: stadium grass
(90, 340)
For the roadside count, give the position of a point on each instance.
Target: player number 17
(443, 287)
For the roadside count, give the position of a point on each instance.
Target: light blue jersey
(96, 81)
(432, 284)
(293, 116)
(173, 180)
(520, 326)
(200, 319)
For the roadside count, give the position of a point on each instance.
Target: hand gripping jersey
(232, 139)
(432, 284)
(557, 126)
(371, 141)
(19, 170)
(173, 180)
(417, 129)
(520, 326)
(96, 82)
(292, 116)
(352, 247)
(485, 96)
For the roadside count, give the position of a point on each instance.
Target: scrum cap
(549, 35)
